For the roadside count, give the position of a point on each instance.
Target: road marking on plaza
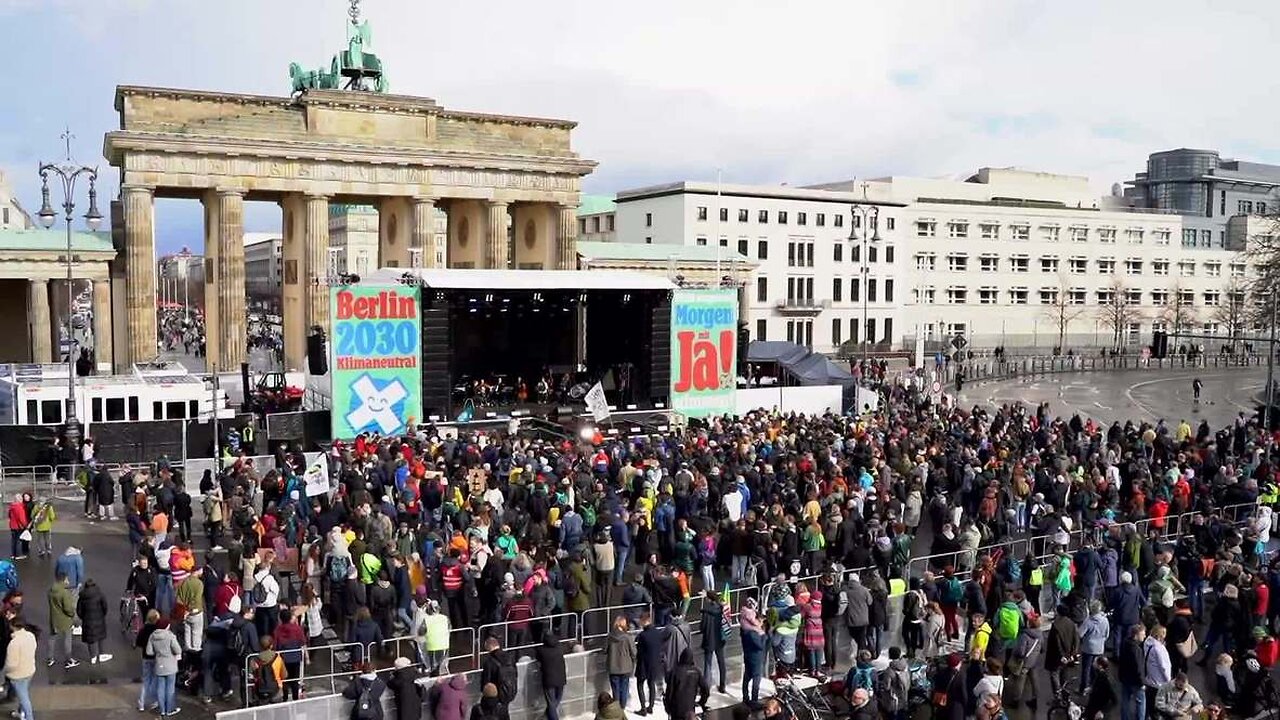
(1104, 407)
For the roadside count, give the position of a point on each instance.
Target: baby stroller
(921, 690)
(132, 609)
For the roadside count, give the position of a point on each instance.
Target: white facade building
(1007, 257)
(353, 240)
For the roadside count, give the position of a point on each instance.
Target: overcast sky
(665, 90)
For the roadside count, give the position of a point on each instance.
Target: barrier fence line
(527, 634)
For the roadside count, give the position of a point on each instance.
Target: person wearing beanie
(1126, 607)
(407, 691)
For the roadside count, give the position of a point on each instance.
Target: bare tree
(1232, 313)
(1178, 317)
(1262, 252)
(1115, 312)
(1062, 313)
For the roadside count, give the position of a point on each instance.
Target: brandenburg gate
(404, 155)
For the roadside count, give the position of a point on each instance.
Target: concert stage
(490, 336)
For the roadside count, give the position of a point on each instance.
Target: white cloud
(799, 92)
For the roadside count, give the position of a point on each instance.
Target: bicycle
(798, 704)
(1064, 708)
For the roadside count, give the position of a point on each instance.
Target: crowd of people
(789, 532)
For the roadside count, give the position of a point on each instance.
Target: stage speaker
(660, 351)
(744, 339)
(317, 359)
(437, 365)
(1160, 344)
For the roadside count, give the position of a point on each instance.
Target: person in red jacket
(1267, 648)
(1262, 601)
(227, 595)
(18, 522)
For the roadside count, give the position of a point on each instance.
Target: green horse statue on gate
(361, 69)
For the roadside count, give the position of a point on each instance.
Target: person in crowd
(62, 618)
(651, 669)
(620, 660)
(608, 708)
(91, 609)
(1178, 699)
(1132, 675)
(366, 689)
(408, 693)
(164, 652)
(550, 656)
(687, 690)
(20, 664)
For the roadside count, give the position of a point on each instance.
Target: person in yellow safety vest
(370, 564)
(431, 627)
(1270, 495)
(246, 438)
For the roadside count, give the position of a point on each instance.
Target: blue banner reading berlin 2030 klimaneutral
(375, 359)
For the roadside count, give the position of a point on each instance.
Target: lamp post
(68, 172)
(869, 217)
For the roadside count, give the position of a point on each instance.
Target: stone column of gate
(316, 268)
(212, 303)
(293, 286)
(57, 299)
(102, 341)
(423, 233)
(232, 338)
(38, 321)
(496, 245)
(566, 237)
(394, 231)
(140, 284)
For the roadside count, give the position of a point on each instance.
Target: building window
(821, 219)
(855, 290)
(1078, 265)
(1187, 268)
(1079, 234)
(1132, 297)
(888, 254)
(762, 289)
(648, 240)
(743, 247)
(1262, 208)
(957, 262)
(837, 220)
(1206, 238)
(957, 295)
(1159, 267)
(871, 330)
(648, 219)
(1213, 269)
(1049, 233)
(724, 242)
(837, 251)
(608, 220)
(926, 261)
(855, 253)
(1159, 298)
(743, 214)
(958, 230)
(889, 224)
(888, 290)
(989, 231)
(1133, 236)
(837, 285)
(762, 250)
(1161, 237)
(1237, 270)
(1106, 266)
(1020, 232)
(702, 213)
(701, 242)
(871, 290)
(761, 326)
(802, 218)
(1077, 296)
(1212, 298)
(582, 226)
(1186, 298)
(1105, 296)
(930, 296)
(782, 217)
(1019, 263)
(987, 295)
(724, 214)
(1048, 263)
(989, 263)
(762, 216)
(809, 259)
(926, 229)
(1244, 207)
(1188, 238)
(872, 252)
(835, 332)
(1018, 296)
(1048, 296)
(1133, 266)
(791, 254)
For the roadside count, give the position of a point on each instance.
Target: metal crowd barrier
(602, 617)
(250, 681)
(519, 635)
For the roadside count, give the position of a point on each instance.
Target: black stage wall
(478, 333)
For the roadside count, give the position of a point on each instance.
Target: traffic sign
(936, 387)
(958, 342)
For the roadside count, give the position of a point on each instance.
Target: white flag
(596, 403)
(317, 476)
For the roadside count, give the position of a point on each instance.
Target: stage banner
(704, 340)
(374, 359)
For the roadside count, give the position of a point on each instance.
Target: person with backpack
(1024, 658)
(914, 606)
(857, 613)
(713, 630)
(366, 690)
(407, 691)
(1009, 622)
(862, 676)
(267, 673)
(893, 684)
(164, 652)
(498, 668)
(950, 593)
(242, 641)
(432, 629)
(1062, 649)
(266, 597)
(288, 641)
(42, 519)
